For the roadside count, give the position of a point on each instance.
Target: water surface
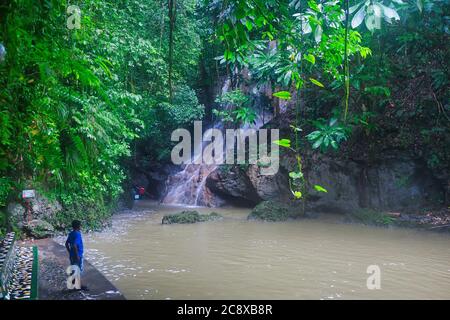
(239, 259)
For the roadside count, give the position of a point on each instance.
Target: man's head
(76, 225)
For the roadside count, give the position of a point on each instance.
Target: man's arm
(67, 245)
(75, 250)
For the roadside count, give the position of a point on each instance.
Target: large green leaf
(283, 143)
(317, 83)
(320, 188)
(390, 13)
(285, 95)
(358, 18)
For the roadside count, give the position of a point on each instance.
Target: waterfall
(188, 187)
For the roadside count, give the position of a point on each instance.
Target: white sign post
(28, 194)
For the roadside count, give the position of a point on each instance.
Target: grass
(371, 217)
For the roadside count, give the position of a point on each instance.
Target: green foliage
(76, 105)
(233, 99)
(320, 189)
(372, 12)
(245, 115)
(285, 95)
(328, 135)
(235, 109)
(371, 217)
(186, 108)
(3, 222)
(188, 217)
(286, 143)
(74, 101)
(5, 189)
(273, 211)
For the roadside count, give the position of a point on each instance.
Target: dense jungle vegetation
(79, 106)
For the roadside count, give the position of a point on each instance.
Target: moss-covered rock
(39, 229)
(211, 217)
(185, 217)
(273, 211)
(370, 217)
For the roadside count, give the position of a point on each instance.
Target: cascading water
(188, 187)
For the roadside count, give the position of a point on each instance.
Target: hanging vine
(346, 63)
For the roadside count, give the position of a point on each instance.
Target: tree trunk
(172, 18)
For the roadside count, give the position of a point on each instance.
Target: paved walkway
(53, 262)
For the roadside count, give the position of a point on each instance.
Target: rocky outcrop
(16, 213)
(44, 208)
(232, 183)
(274, 211)
(396, 182)
(399, 183)
(35, 223)
(269, 187)
(38, 229)
(187, 217)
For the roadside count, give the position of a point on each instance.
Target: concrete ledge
(53, 261)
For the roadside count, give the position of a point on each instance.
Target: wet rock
(340, 179)
(39, 229)
(274, 211)
(211, 217)
(186, 217)
(16, 213)
(232, 183)
(400, 184)
(269, 187)
(44, 208)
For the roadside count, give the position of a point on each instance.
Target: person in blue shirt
(74, 245)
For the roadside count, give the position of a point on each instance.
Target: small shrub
(371, 217)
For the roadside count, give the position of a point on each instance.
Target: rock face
(274, 211)
(39, 229)
(274, 187)
(186, 217)
(43, 210)
(391, 184)
(232, 183)
(16, 213)
(397, 183)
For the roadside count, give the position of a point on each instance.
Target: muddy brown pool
(239, 259)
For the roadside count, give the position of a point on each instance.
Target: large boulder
(43, 212)
(233, 184)
(16, 213)
(39, 229)
(274, 211)
(269, 187)
(44, 208)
